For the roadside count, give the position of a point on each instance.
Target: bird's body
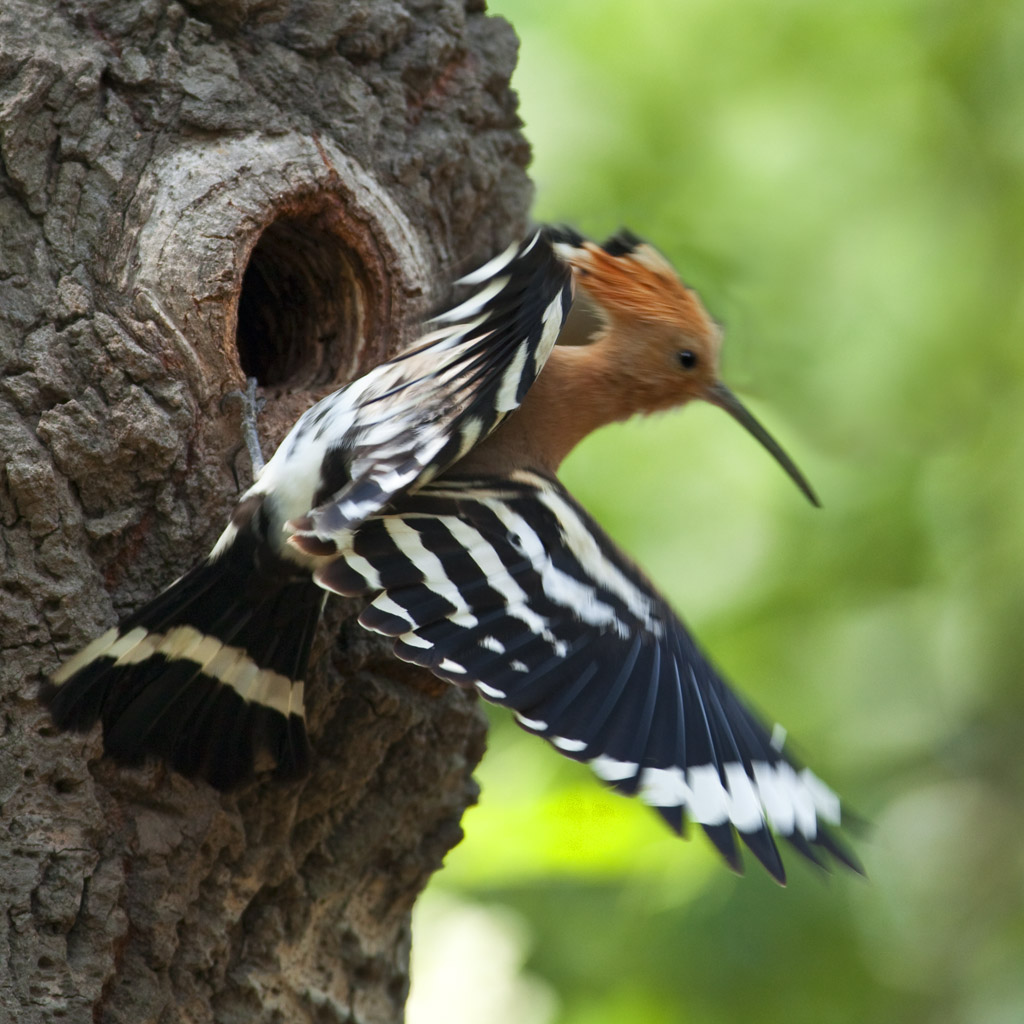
(428, 488)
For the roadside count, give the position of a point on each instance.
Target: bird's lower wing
(510, 587)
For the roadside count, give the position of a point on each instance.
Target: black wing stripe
(568, 590)
(495, 561)
(455, 560)
(437, 596)
(425, 605)
(587, 554)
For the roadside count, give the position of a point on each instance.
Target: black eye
(687, 359)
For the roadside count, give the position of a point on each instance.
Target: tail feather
(208, 675)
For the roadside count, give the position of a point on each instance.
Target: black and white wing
(410, 418)
(508, 586)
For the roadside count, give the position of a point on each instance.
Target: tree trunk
(189, 193)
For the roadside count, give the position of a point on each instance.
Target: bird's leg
(252, 405)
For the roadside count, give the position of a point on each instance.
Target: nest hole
(302, 305)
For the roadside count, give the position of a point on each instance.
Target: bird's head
(662, 344)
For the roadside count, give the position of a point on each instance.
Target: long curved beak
(721, 396)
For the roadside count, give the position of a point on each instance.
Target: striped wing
(510, 587)
(411, 418)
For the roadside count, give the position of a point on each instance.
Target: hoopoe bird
(428, 488)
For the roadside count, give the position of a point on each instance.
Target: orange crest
(638, 283)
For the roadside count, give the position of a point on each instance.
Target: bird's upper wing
(411, 418)
(507, 585)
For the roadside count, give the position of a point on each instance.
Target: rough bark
(187, 191)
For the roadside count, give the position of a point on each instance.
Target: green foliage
(843, 184)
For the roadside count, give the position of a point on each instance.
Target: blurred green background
(843, 185)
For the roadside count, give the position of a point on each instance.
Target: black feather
(169, 707)
(622, 243)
